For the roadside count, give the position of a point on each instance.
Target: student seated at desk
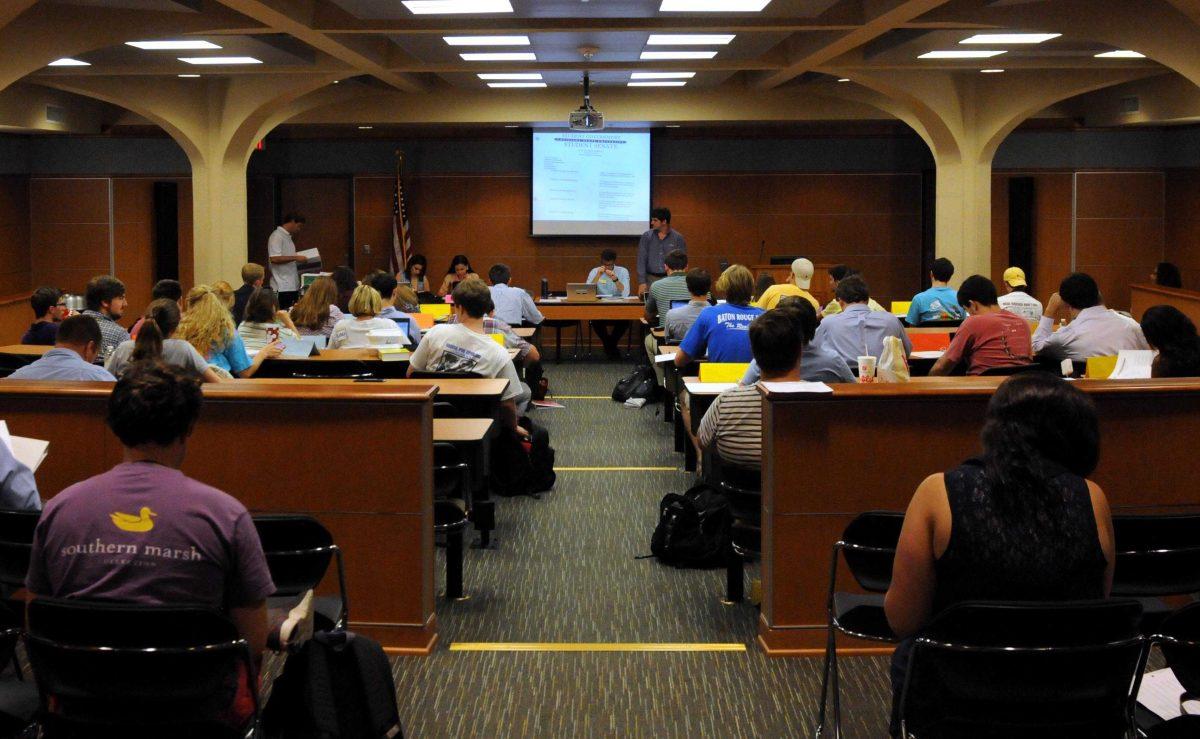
(460, 269)
(208, 327)
(163, 289)
(154, 344)
(678, 321)
(1016, 298)
(1166, 274)
(514, 306)
(938, 302)
(264, 321)
(389, 293)
(732, 426)
(990, 337)
(414, 274)
(611, 281)
(1173, 336)
(48, 311)
(664, 291)
(1020, 522)
(798, 282)
(76, 346)
(18, 489)
(252, 279)
(345, 280)
(405, 300)
(352, 332)
(105, 300)
(817, 364)
(856, 328)
(316, 313)
(837, 273)
(1094, 330)
(722, 330)
(466, 346)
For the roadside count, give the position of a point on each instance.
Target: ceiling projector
(586, 118)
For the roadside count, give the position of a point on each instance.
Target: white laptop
(581, 291)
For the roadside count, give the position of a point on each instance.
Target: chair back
(869, 546)
(16, 544)
(1156, 555)
(1179, 639)
(142, 670)
(450, 472)
(298, 549)
(1026, 669)
(443, 409)
(307, 369)
(743, 489)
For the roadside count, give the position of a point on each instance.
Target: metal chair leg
(830, 649)
(734, 576)
(454, 564)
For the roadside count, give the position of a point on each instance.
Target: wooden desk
(1142, 297)
(323, 450)
(525, 332)
(472, 436)
(877, 442)
(700, 399)
(461, 430)
(630, 309)
(26, 350)
(472, 397)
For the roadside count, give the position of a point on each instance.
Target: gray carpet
(563, 570)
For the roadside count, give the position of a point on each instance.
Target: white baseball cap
(802, 270)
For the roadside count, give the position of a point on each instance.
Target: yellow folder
(1099, 368)
(722, 371)
(900, 307)
(436, 309)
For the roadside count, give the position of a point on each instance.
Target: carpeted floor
(563, 569)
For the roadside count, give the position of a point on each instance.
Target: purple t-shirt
(145, 533)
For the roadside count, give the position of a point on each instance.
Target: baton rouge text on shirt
(146, 550)
(736, 321)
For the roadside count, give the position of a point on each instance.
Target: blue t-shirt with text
(723, 331)
(935, 304)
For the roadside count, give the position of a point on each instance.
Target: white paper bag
(893, 367)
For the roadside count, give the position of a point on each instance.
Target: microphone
(762, 247)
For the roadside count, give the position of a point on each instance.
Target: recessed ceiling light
(487, 40)
(210, 60)
(189, 76)
(501, 56)
(365, 128)
(1009, 38)
(713, 6)
(961, 54)
(649, 55)
(672, 125)
(689, 39)
(509, 75)
(662, 75)
(843, 79)
(991, 71)
(69, 62)
(172, 45)
(435, 7)
(511, 125)
(516, 84)
(1121, 54)
(662, 83)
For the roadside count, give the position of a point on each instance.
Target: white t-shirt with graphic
(1023, 304)
(455, 348)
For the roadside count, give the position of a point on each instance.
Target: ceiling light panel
(1121, 54)
(487, 40)
(1010, 38)
(961, 54)
(652, 55)
(661, 83)
(500, 56)
(178, 45)
(510, 75)
(662, 75)
(69, 62)
(713, 6)
(449, 7)
(215, 60)
(689, 39)
(516, 84)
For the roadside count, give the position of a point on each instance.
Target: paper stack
(29, 452)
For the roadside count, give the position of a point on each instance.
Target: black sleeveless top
(986, 559)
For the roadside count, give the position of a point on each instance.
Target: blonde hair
(207, 325)
(313, 309)
(224, 292)
(252, 273)
(365, 301)
(405, 297)
(737, 282)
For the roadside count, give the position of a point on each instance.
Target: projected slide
(591, 184)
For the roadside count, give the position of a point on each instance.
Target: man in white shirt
(1017, 299)
(514, 306)
(285, 278)
(464, 346)
(1094, 331)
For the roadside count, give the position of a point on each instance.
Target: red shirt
(988, 340)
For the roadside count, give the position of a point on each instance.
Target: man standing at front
(654, 246)
(281, 250)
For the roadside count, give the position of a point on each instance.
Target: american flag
(401, 235)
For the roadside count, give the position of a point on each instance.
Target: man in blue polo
(654, 246)
(75, 348)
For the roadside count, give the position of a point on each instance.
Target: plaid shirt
(111, 334)
(511, 340)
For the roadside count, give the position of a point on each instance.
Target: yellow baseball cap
(1015, 277)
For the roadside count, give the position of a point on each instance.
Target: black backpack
(518, 471)
(693, 529)
(338, 686)
(641, 383)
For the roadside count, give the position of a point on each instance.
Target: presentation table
(628, 309)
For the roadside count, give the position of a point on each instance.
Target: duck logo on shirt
(140, 523)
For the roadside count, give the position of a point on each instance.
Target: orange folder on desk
(930, 342)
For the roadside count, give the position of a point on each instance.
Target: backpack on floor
(641, 383)
(338, 686)
(693, 529)
(520, 466)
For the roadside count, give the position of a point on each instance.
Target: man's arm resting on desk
(682, 359)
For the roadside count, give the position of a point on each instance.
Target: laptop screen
(402, 323)
(679, 303)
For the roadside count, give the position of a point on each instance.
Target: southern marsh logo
(140, 523)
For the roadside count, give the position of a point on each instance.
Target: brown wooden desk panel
(461, 429)
(600, 310)
(324, 450)
(25, 350)
(1142, 297)
(875, 443)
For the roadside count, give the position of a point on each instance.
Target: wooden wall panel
(260, 221)
(69, 231)
(133, 224)
(1120, 229)
(372, 223)
(15, 270)
(1183, 224)
(1052, 229)
(325, 203)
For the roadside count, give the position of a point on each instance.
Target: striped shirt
(733, 427)
(662, 292)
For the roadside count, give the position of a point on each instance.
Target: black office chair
(1157, 556)
(1179, 639)
(442, 409)
(304, 369)
(431, 375)
(298, 550)
(1004, 669)
(743, 489)
(16, 543)
(869, 545)
(108, 669)
(451, 509)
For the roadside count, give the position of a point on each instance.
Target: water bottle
(545, 288)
